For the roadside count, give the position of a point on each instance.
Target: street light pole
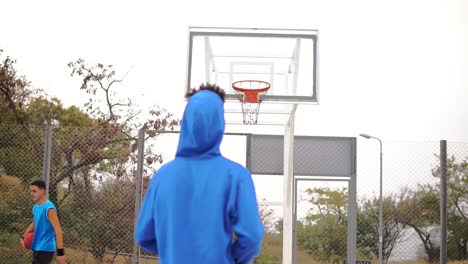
(381, 207)
(380, 198)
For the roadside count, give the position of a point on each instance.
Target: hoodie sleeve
(247, 223)
(145, 233)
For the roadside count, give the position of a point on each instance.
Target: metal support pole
(288, 244)
(381, 212)
(296, 55)
(138, 191)
(294, 225)
(248, 147)
(352, 211)
(443, 202)
(47, 157)
(207, 59)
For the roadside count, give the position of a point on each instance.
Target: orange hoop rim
(251, 98)
(251, 94)
(242, 90)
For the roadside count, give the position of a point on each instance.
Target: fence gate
(318, 159)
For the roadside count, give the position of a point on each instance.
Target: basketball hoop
(251, 95)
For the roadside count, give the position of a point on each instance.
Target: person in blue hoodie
(201, 208)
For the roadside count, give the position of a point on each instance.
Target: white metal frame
(288, 178)
(260, 32)
(233, 64)
(208, 58)
(283, 114)
(288, 242)
(295, 62)
(293, 65)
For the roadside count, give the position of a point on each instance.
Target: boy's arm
(248, 226)
(145, 233)
(54, 221)
(29, 229)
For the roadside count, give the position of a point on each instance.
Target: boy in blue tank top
(46, 227)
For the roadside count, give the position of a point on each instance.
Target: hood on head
(202, 126)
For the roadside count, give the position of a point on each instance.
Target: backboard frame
(259, 32)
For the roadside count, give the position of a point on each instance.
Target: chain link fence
(409, 190)
(411, 207)
(21, 159)
(322, 226)
(457, 198)
(94, 180)
(91, 178)
(93, 183)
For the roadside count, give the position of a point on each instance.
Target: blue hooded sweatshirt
(196, 202)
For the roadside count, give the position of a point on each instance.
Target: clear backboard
(287, 59)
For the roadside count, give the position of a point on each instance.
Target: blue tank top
(44, 233)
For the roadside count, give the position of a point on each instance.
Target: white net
(250, 112)
(251, 94)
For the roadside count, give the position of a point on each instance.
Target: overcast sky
(395, 69)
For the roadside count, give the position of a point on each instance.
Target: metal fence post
(47, 157)
(352, 210)
(138, 191)
(443, 202)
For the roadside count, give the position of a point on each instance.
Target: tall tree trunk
(59, 177)
(431, 250)
(53, 192)
(462, 250)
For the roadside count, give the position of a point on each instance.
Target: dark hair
(39, 183)
(210, 87)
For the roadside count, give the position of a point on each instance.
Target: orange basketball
(28, 239)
